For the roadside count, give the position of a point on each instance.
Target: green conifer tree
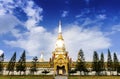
(109, 62)
(115, 63)
(96, 63)
(101, 62)
(81, 62)
(21, 65)
(11, 64)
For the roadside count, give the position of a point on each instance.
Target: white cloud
(116, 27)
(39, 40)
(89, 21)
(7, 20)
(31, 10)
(34, 15)
(87, 39)
(1, 51)
(2, 11)
(101, 16)
(7, 23)
(64, 14)
(6, 6)
(27, 40)
(78, 16)
(35, 42)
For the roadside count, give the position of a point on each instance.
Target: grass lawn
(26, 77)
(94, 77)
(51, 77)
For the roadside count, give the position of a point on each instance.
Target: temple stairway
(61, 77)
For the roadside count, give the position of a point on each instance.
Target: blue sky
(32, 25)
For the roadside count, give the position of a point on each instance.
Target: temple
(59, 64)
(60, 57)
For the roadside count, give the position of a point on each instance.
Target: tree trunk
(20, 72)
(84, 73)
(24, 73)
(80, 72)
(110, 72)
(117, 73)
(97, 73)
(8, 72)
(12, 72)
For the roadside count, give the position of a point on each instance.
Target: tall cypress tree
(95, 64)
(115, 62)
(1, 63)
(11, 64)
(102, 65)
(21, 65)
(81, 62)
(109, 62)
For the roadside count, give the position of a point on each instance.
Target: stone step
(61, 77)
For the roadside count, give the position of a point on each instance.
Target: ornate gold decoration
(60, 56)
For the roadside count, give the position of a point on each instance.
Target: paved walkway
(61, 77)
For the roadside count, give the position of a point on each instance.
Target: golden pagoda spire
(60, 27)
(60, 31)
(60, 55)
(60, 41)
